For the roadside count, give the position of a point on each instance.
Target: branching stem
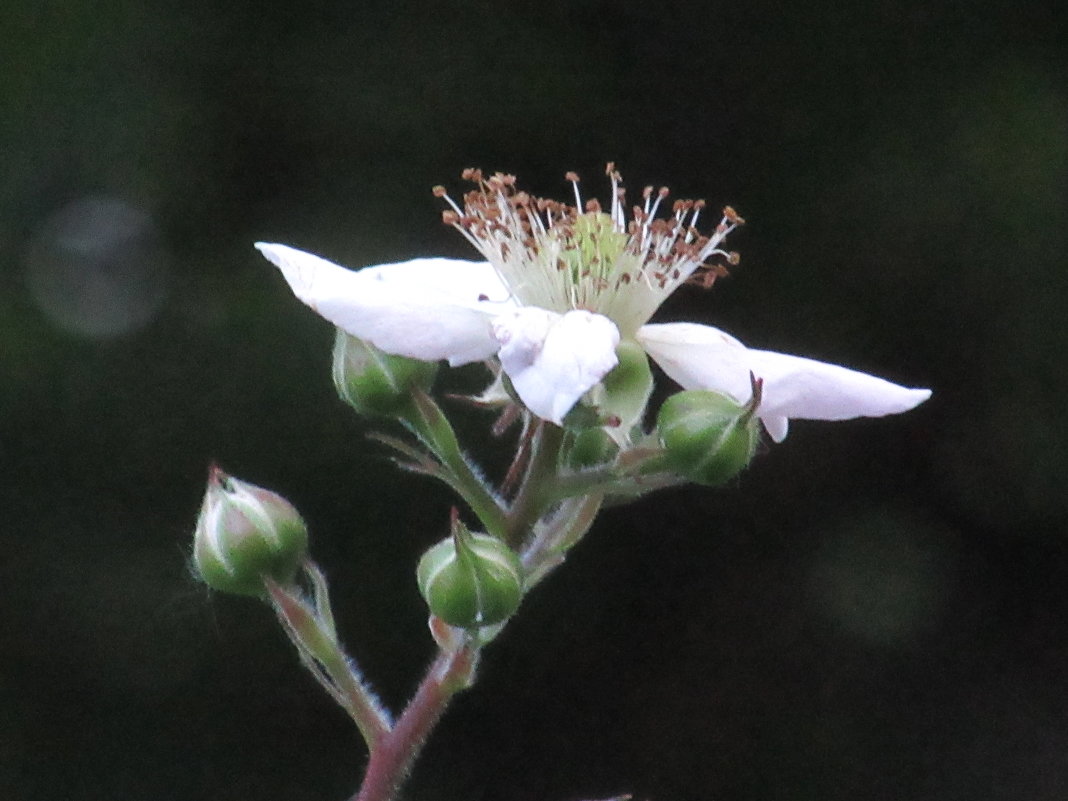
(390, 761)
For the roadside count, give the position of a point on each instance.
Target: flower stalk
(535, 491)
(392, 758)
(430, 424)
(310, 626)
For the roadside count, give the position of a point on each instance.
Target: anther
(733, 216)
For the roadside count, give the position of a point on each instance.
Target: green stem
(537, 490)
(432, 427)
(320, 651)
(555, 537)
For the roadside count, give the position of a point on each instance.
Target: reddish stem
(394, 753)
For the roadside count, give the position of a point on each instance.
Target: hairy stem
(432, 427)
(556, 535)
(316, 641)
(390, 761)
(538, 483)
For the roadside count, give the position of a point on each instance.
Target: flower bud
(707, 437)
(373, 382)
(471, 580)
(590, 447)
(245, 533)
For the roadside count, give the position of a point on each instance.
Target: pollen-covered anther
(732, 216)
(706, 276)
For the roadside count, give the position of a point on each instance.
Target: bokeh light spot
(883, 578)
(97, 268)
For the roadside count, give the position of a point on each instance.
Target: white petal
(426, 309)
(553, 360)
(699, 357)
(465, 283)
(702, 357)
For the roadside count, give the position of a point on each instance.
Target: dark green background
(876, 610)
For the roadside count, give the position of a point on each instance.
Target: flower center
(562, 257)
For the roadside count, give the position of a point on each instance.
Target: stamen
(563, 257)
(574, 179)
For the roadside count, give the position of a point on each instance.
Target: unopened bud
(376, 383)
(471, 580)
(245, 533)
(708, 438)
(590, 447)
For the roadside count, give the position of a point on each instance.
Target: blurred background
(875, 610)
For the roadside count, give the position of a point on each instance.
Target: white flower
(559, 290)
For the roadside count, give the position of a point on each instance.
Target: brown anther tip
(663, 191)
(450, 217)
(467, 174)
(439, 191)
(699, 204)
(733, 216)
(571, 176)
(734, 257)
(593, 205)
(647, 192)
(609, 168)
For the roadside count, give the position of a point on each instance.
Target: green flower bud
(245, 533)
(471, 580)
(707, 437)
(590, 447)
(373, 382)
